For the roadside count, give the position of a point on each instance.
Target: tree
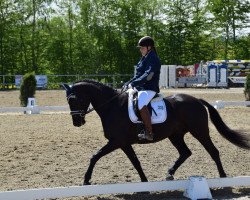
(196, 35)
(8, 36)
(177, 29)
(242, 47)
(100, 36)
(230, 16)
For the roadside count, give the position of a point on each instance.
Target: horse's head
(78, 105)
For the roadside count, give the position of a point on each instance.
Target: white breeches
(144, 97)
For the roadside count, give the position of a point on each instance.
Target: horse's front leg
(129, 151)
(108, 148)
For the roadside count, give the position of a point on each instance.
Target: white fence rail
(221, 104)
(40, 108)
(77, 191)
(218, 104)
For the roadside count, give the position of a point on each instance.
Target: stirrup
(146, 136)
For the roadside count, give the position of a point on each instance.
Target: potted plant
(27, 88)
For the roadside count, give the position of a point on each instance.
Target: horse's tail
(235, 137)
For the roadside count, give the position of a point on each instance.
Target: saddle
(156, 107)
(149, 106)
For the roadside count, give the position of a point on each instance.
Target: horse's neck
(99, 99)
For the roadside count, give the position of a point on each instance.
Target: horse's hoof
(86, 183)
(143, 193)
(169, 178)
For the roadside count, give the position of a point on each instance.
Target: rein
(82, 113)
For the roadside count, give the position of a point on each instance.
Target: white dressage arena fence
(222, 104)
(196, 187)
(27, 109)
(34, 109)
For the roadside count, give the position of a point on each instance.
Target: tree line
(100, 36)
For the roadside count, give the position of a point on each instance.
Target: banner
(41, 81)
(18, 79)
(241, 80)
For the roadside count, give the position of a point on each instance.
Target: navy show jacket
(147, 74)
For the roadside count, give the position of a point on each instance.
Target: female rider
(146, 81)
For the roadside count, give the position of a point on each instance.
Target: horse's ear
(66, 86)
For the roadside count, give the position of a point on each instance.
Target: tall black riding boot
(146, 118)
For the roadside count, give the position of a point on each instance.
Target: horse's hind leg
(206, 141)
(129, 151)
(184, 152)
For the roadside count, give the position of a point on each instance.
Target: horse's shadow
(230, 193)
(220, 193)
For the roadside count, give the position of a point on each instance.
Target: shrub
(247, 88)
(27, 88)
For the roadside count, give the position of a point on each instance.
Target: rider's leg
(146, 118)
(144, 97)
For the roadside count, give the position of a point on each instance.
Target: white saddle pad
(157, 104)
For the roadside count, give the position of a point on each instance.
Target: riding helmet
(146, 41)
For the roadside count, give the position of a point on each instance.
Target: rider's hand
(124, 87)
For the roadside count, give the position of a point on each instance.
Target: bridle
(82, 113)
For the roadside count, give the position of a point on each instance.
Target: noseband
(81, 112)
(78, 112)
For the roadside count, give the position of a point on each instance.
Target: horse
(185, 114)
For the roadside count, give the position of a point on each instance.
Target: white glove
(125, 88)
(130, 86)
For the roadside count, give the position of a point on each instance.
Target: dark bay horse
(185, 114)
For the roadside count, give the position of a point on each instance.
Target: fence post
(113, 80)
(3, 81)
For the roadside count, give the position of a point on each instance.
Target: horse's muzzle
(79, 123)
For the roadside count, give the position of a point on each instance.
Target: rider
(146, 81)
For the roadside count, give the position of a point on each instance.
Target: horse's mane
(105, 88)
